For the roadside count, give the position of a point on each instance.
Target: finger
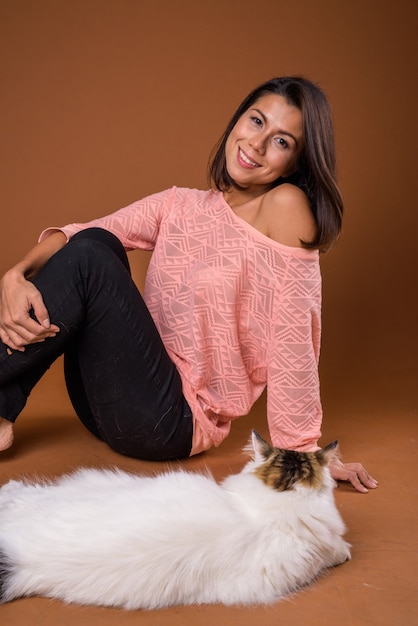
(40, 311)
(363, 475)
(23, 337)
(357, 484)
(368, 480)
(29, 330)
(7, 340)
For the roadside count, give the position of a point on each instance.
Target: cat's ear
(261, 448)
(327, 454)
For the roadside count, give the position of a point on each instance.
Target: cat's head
(282, 469)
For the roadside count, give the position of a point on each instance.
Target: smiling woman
(232, 299)
(263, 147)
(264, 144)
(298, 119)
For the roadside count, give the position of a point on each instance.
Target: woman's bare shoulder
(289, 215)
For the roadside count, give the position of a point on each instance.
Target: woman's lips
(245, 161)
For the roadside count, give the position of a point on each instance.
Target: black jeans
(122, 383)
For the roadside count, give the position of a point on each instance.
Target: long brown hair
(316, 168)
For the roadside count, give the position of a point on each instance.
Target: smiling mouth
(243, 158)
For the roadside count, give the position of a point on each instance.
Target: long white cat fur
(112, 538)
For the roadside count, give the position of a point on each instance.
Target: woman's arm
(19, 297)
(293, 394)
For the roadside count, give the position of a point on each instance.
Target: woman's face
(264, 144)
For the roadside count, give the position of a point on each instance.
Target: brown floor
(378, 587)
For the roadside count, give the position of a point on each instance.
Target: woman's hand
(353, 473)
(18, 299)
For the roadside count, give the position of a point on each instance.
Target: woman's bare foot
(6, 434)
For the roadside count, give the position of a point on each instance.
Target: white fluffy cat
(115, 539)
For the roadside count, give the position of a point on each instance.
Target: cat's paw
(343, 554)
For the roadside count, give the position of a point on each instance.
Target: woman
(232, 298)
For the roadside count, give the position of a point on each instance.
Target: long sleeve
(136, 225)
(293, 393)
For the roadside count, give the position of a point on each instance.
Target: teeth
(246, 159)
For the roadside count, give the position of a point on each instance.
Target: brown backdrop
(104, 101)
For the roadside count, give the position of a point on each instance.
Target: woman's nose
(257, 142)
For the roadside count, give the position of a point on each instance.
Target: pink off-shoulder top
(236, 311)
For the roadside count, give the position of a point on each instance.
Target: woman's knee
(98, 240)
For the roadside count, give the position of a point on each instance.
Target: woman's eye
(282, 142)
(256, 120)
